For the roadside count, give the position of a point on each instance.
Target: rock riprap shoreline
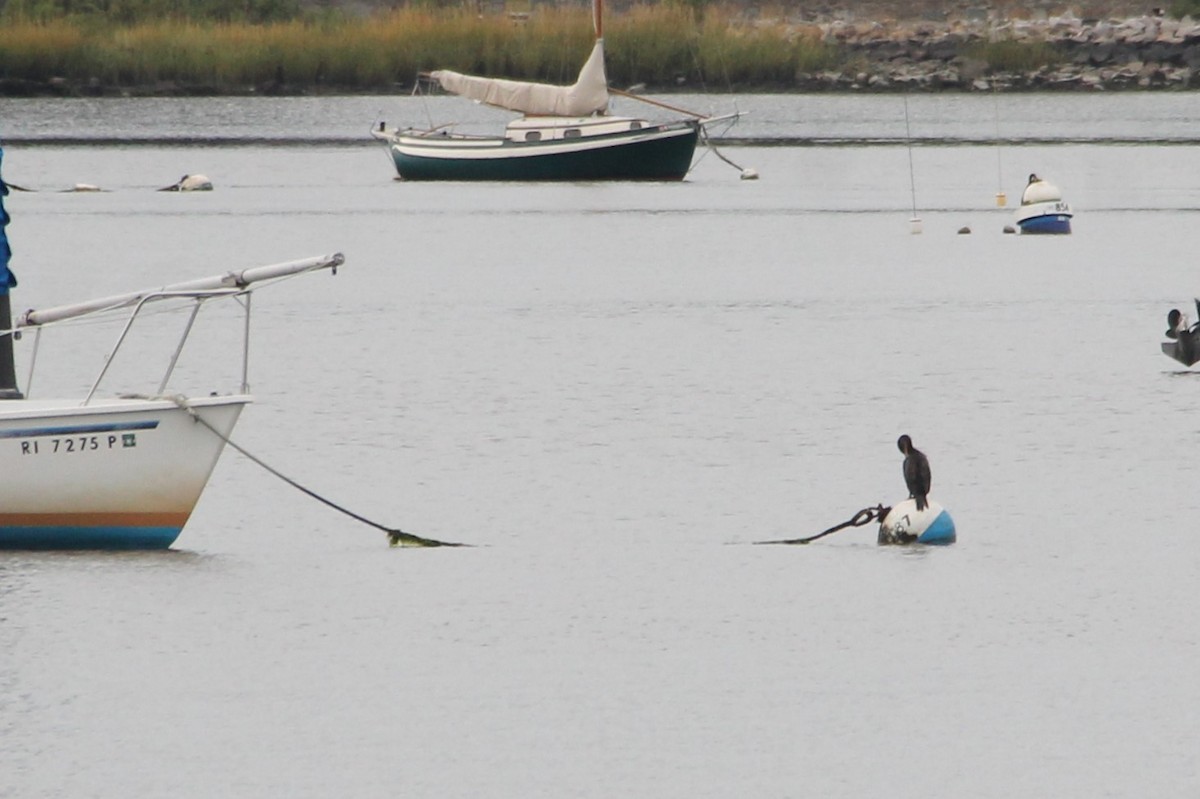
(1145, 52)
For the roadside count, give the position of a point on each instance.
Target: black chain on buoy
(864, 516)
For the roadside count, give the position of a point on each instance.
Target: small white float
(904, 524)
(1043, 209)
(190, 183)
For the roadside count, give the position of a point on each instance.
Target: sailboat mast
(598, 18)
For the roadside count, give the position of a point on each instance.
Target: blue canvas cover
(7, 278)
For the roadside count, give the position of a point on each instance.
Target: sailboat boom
(217, 283)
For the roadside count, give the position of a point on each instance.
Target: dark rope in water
(396, 536)
(746, 173)
(864, 516)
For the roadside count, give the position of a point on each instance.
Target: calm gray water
(612, 390)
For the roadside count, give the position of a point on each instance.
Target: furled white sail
(588, 95)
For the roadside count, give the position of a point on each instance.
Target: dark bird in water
(1185, 346)
(1174, 317)
(916, 472)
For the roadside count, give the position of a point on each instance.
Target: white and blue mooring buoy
(904, 524)
(1043, 209)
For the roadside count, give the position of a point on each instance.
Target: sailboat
(119, 471)
(563, 133)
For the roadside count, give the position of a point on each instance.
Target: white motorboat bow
(123, 471)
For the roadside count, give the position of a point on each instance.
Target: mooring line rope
(864, 516)
(747, 173)
(396, 536)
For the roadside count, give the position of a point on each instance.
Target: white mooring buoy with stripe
(904, 524)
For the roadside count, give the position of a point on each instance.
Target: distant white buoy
(749, 173)
(190, 183)
(195, 183)
(914, 226)
(84, 187)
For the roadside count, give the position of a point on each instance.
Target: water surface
(613, 390)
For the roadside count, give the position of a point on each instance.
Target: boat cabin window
(533, 135)
(635, 125)
(572, 133)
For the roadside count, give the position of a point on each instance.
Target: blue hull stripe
(88, 537)
(1057, 223)
(941, 531)
(79, 429)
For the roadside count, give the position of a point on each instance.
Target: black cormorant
(916, 472)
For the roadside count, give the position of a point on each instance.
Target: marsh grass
(44, 50)
(660, 45)
(761, 55)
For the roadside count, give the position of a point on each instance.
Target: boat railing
(230, 284)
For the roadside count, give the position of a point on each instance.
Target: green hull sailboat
(563, 133)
